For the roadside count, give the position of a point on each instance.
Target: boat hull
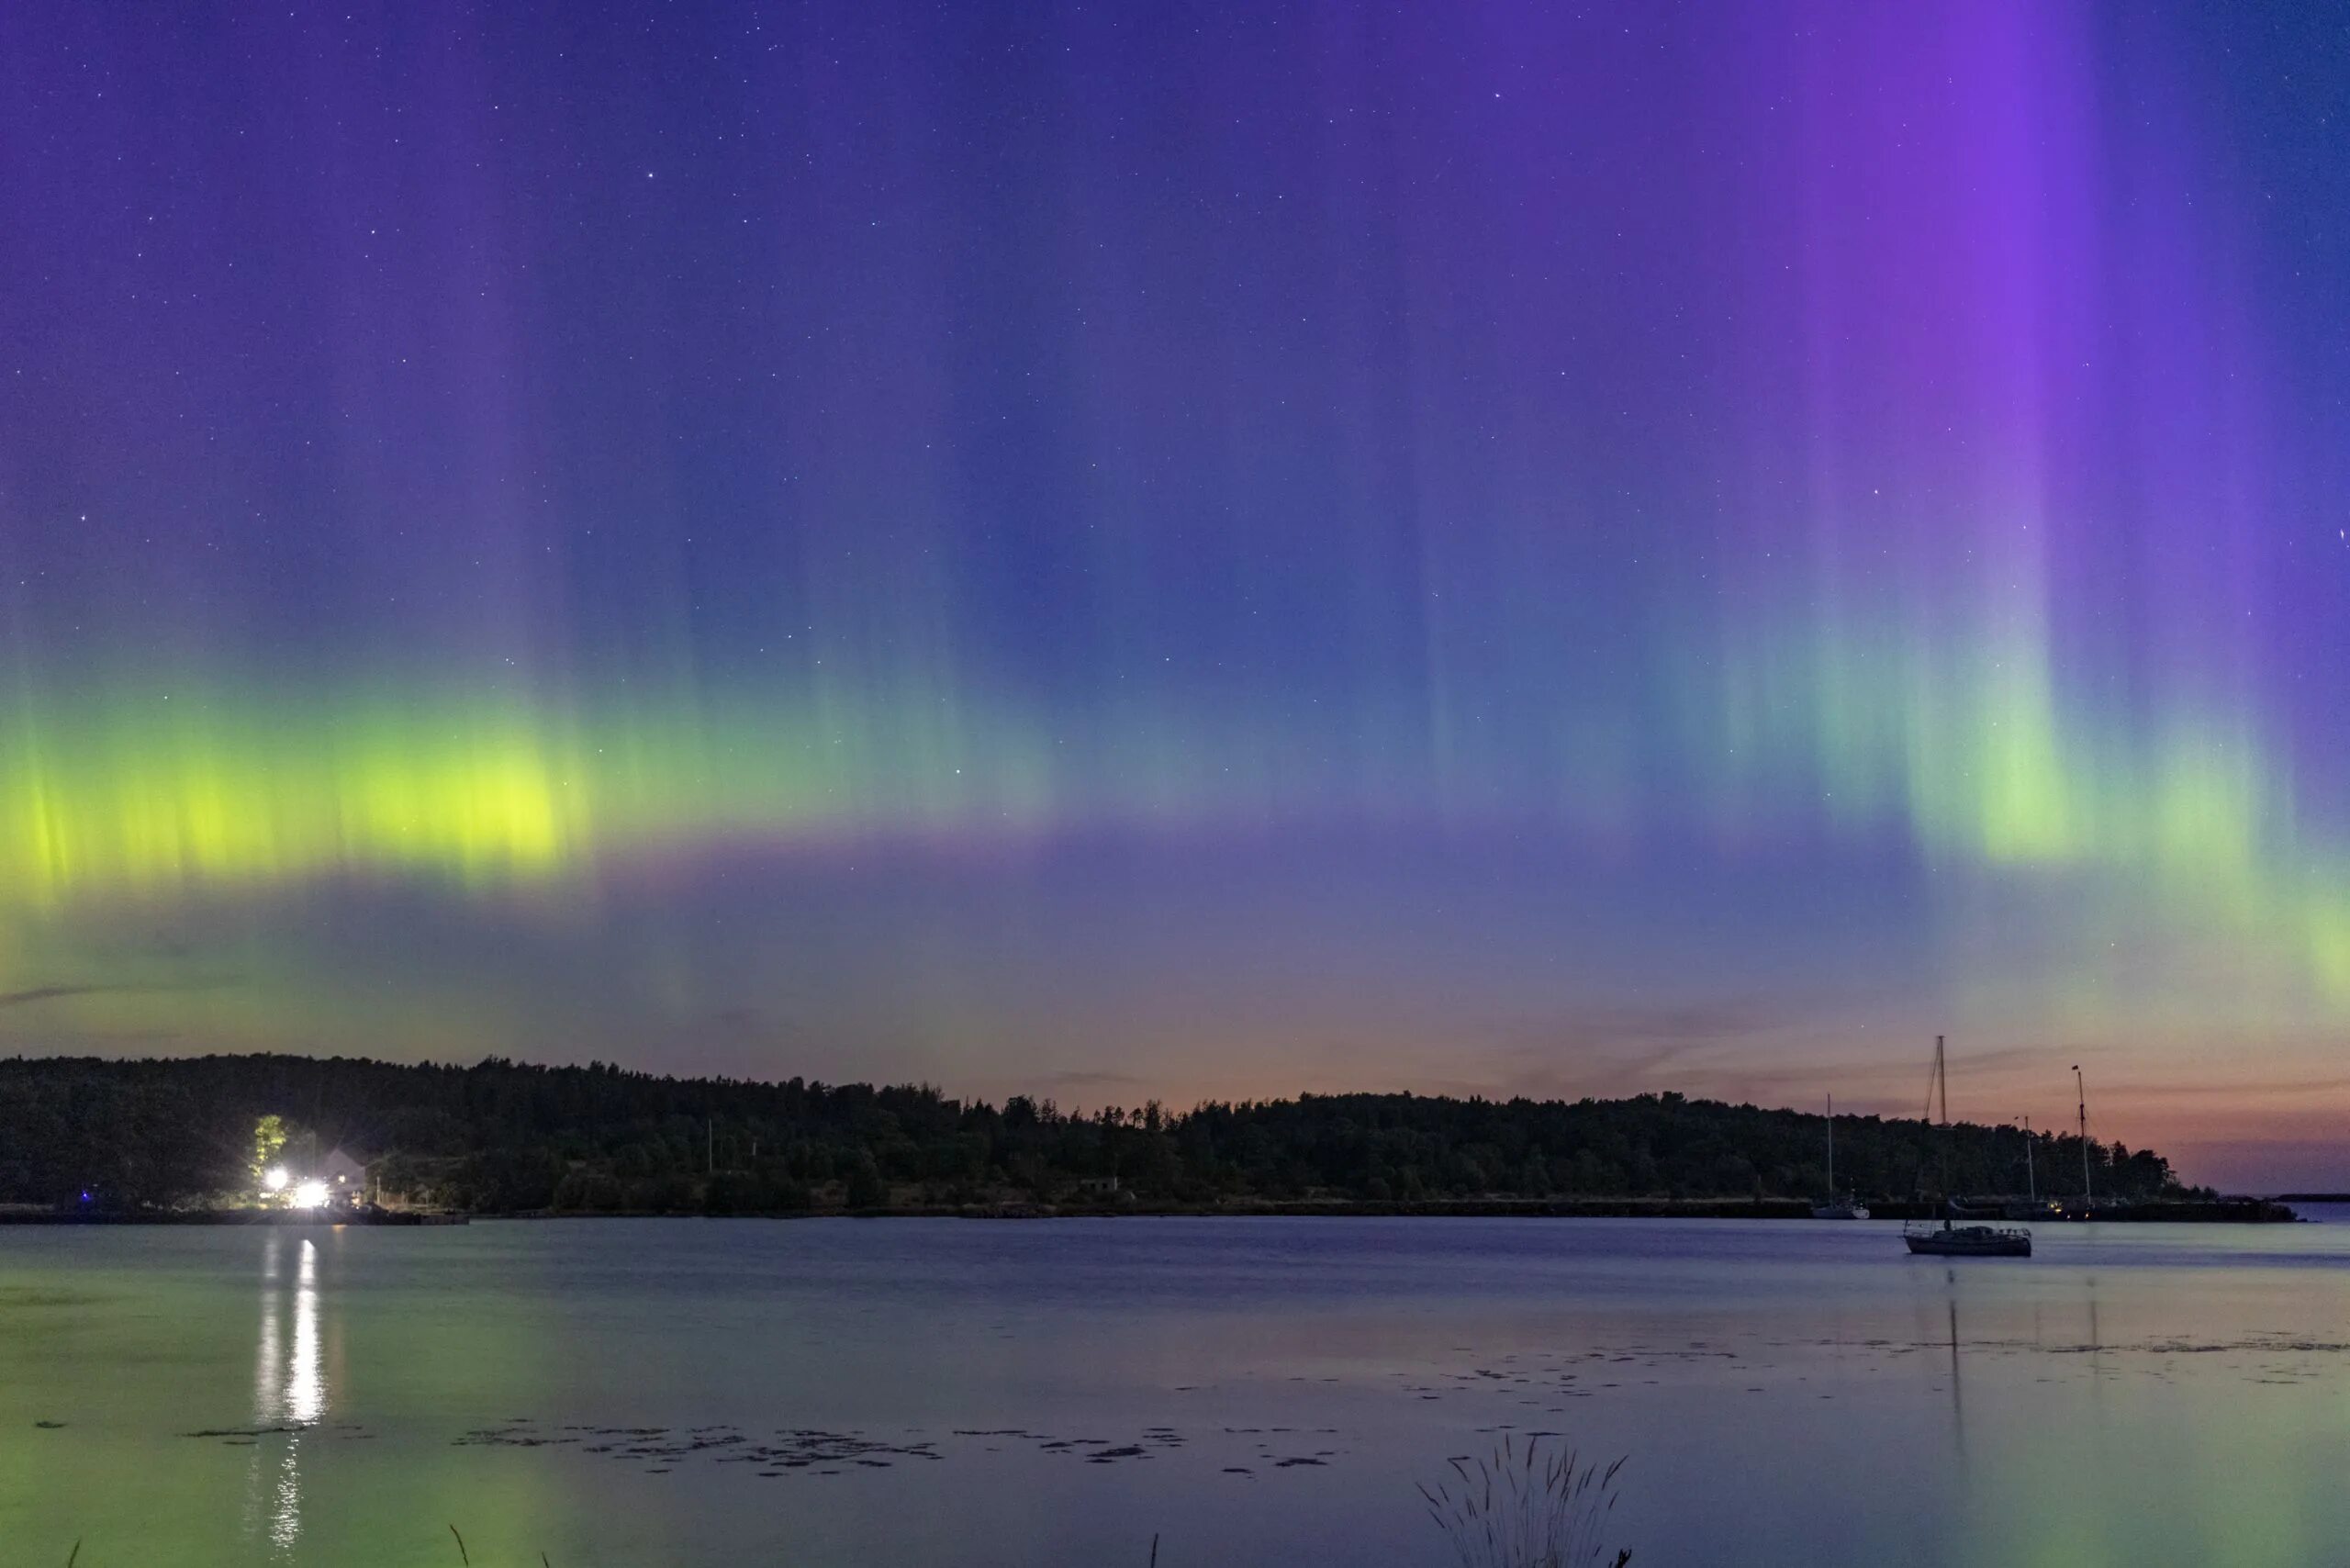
(1998, 1244)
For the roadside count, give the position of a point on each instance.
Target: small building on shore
(345, 1179)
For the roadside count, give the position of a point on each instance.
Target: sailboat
(1948, 1241)
(1848, 1207)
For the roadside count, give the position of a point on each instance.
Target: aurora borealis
(1209, 549)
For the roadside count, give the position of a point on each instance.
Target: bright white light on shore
(275, 1179)
(311, 1196)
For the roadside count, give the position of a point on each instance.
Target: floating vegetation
(816, 1451)
(245, 1436)
(788, 1449)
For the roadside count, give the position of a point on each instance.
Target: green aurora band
(1973, 757)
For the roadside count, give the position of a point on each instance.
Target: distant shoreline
(2246, 1211)
(500, 1137)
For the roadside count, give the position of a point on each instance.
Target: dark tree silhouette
(503, 1137)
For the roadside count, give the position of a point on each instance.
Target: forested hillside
(500, 1135)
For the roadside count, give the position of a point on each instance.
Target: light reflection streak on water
(306, 1395)
(289, 1391)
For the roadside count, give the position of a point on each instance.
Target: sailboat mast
(1937, 1090)
(2080, 1087)
(2031, 1182)
(1831, 1148)
(1941, 1079)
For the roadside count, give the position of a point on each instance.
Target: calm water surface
(626, 1392)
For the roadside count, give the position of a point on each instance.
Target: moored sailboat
(1848, 1207)
(1948, 1240)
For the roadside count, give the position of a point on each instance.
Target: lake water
(678, 1391)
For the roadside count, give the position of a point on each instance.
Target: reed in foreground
(1540, 1507)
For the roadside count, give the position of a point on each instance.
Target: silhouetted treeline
(505, 1136)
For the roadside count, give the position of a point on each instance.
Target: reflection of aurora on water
(2134, 1396)
(289, 1390)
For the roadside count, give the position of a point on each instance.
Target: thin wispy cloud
(33, 995)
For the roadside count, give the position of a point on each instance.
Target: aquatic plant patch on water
(821, 1452)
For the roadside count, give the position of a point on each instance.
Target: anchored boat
(1848, 1207)
(1948, 1240)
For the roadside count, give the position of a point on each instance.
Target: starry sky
(1192, 549)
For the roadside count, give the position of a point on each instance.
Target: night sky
(1192, 550)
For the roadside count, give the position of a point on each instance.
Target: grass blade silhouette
(1540, 1509)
